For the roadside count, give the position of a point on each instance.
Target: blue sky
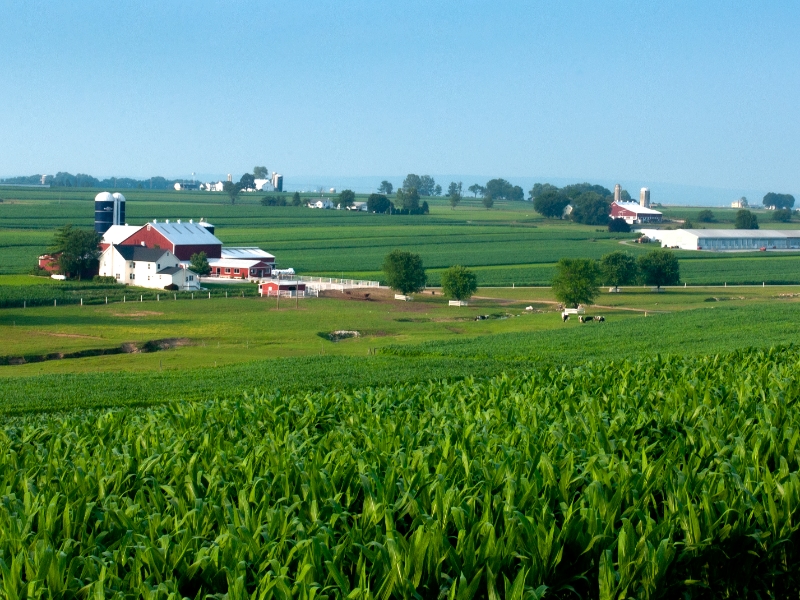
(702, 94)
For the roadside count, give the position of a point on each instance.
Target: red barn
(182, 239)
(634, 213)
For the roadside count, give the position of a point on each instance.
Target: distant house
(362, 206)
(324, 203)
(740, 203)
(185, 186)
(634, 213)
(212, 187)
(147, 267)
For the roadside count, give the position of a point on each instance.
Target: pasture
(510, 244)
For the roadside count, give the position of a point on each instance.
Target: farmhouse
(325, 203)
(283, 287)
(182, 239)
(358, 206)
(726, 239)
(634, 213)
(146, 267)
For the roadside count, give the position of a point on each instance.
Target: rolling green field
(510, 244)
(226, 447)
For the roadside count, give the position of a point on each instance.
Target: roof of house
(169, 271)
(247, 253)
(744, 233)
(237, 263)
(186, 234)
(119, 233)
(140, 253)
(637, 208)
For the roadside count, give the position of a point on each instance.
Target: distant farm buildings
(158, 254)
(632, 212)
(726, 240)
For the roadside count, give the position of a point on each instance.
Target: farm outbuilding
(726, 240)
(283, 287)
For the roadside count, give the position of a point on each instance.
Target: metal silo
(119, 209)
(103, 212)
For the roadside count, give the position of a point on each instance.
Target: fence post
(176, 296)
(141, 298)
(54, 302)
(123, 298)
(192, 295)
(23, 304)
(158, 298)
(106, 299)
(209, 295)
(81, 301)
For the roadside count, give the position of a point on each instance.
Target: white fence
(331, 283)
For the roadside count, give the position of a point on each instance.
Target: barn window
(191, 277)
(236, 271)
(227, 269)
(133, 275)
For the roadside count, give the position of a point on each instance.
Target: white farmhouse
(325, 203)
(146, 267)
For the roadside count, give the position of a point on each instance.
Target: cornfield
(656, 478)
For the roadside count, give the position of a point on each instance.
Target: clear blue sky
(690, 93)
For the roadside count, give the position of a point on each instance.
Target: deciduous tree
(659, 267)
(779, 200)
(577, 281)
(75, 250)
(404, 272)
(346, 198)
(618, 226)
(706, 216)
(385, 188)
(745, 220)
(199, 263)
(454, 193)
(488, 201)
(476, 189)
(591, 208)
(232, 189)
(459, 283)
(247, 182)
(550, 204)
(260, 173)
(619, 268)
(378, 203)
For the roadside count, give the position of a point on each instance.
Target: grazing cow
(564, 317)
(600, 318)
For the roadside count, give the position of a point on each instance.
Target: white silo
(644, 197)
(617, 193)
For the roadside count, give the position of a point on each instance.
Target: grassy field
(652, 455)
(510, 244)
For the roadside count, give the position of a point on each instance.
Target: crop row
(657, 478)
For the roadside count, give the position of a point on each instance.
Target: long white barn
(726, 239)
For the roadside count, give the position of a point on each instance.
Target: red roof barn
(182, 239)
